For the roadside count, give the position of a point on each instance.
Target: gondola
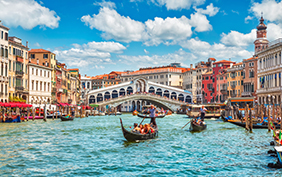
(63, 118)
(148, 117)
(255, 126)
(196, 127)
(131, 136)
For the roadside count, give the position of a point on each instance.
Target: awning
(94, 105)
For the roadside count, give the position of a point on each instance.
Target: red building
(209, 81)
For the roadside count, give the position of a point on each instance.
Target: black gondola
(131, 136)
(63, 118)
(148, 117)
(255, 126)
(196, 127)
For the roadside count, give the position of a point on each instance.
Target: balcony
(247, 94)
(19, 73)
(210, 89)
(223, 91)
(233, 86)
(19, 88)
(19, 59)
(233, 95)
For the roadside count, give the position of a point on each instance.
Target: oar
(187, 124)
(142, 120)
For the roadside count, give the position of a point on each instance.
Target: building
(269, 67)
(74, 86)
(45, 58)
(166, 75)
(106, 80)
(221, 86)
(189, 81)
(4, 80)
(40, 83)
(235, 76)
(201, 68)
(250, 77)
(18, 69)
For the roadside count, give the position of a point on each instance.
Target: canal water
(95, 146)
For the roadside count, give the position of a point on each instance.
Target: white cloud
(178, 4)
(152, 32)
(169, 29)
(274, 31)
(234, 38)
(37, 44)
(248, 18)
(202, 49)
(115, 26)
(271, 10)
(27, 14)
(200, 22)
(90, 53)
(210, 10)
(235, 12)
(146, 52)
(104, 3)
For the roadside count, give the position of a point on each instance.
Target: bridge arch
(122, 92)
(151, 90)
(99, 97)
(129, 90)
(114, 94)
(166, 93)
(188, 99)
(181, 97)
(159, 92)
(107, 96)
(91, 99)
(140, 84)
(173, 95)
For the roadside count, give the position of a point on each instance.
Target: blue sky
(102, 36)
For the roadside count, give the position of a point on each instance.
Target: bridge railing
(146, 94)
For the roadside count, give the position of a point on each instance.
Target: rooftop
(39, 51)
(224, 61)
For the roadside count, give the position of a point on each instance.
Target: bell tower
(261, 42)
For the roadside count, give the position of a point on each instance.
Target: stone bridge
(157, 100)
(163, 95)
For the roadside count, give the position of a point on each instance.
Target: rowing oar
(186, 124)
(142, 120)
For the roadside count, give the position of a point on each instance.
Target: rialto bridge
(140, 89)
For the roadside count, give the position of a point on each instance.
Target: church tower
(261, 42)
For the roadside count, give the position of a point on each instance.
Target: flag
(274, 134)
(280, 135)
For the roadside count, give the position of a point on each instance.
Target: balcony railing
(210, 89)
(54, 90)
(233, 86)
(19, 88)
(223, 91)
(233, 95)
(247, 94)
(19, 73)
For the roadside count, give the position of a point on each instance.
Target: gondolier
(203, 112)
(153, 115)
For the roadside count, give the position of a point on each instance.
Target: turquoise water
(95, 146)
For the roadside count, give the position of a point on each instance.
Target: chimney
(191, 66)
(85, 75)
(26, 44)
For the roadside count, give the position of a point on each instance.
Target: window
(40, 72)
(48, 74)
(32, 85)
(44, 73)
(40, 86)
(45, 56)
(6, 36)
(10, 65)
(32, 56)
(36, 73)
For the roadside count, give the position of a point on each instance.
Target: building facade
(235, 76)
(4, 79)
(40, 84)
(18, 69)
(250, 77)
(189, 81)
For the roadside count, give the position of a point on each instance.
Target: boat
(131, 136)
(11, 120)
(255, 126)
(63, 118)
(102, 114)
(196, 127)
(148, 117)
(50, 116)
(35, 117)
(169, 113)
(213, 111)
(135, 113)
(113, 114)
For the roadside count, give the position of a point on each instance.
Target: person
(153, 115)
(203, 112)
(141, 129)
(136, 128)
(72, 112)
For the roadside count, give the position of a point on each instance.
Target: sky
(103, 36)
